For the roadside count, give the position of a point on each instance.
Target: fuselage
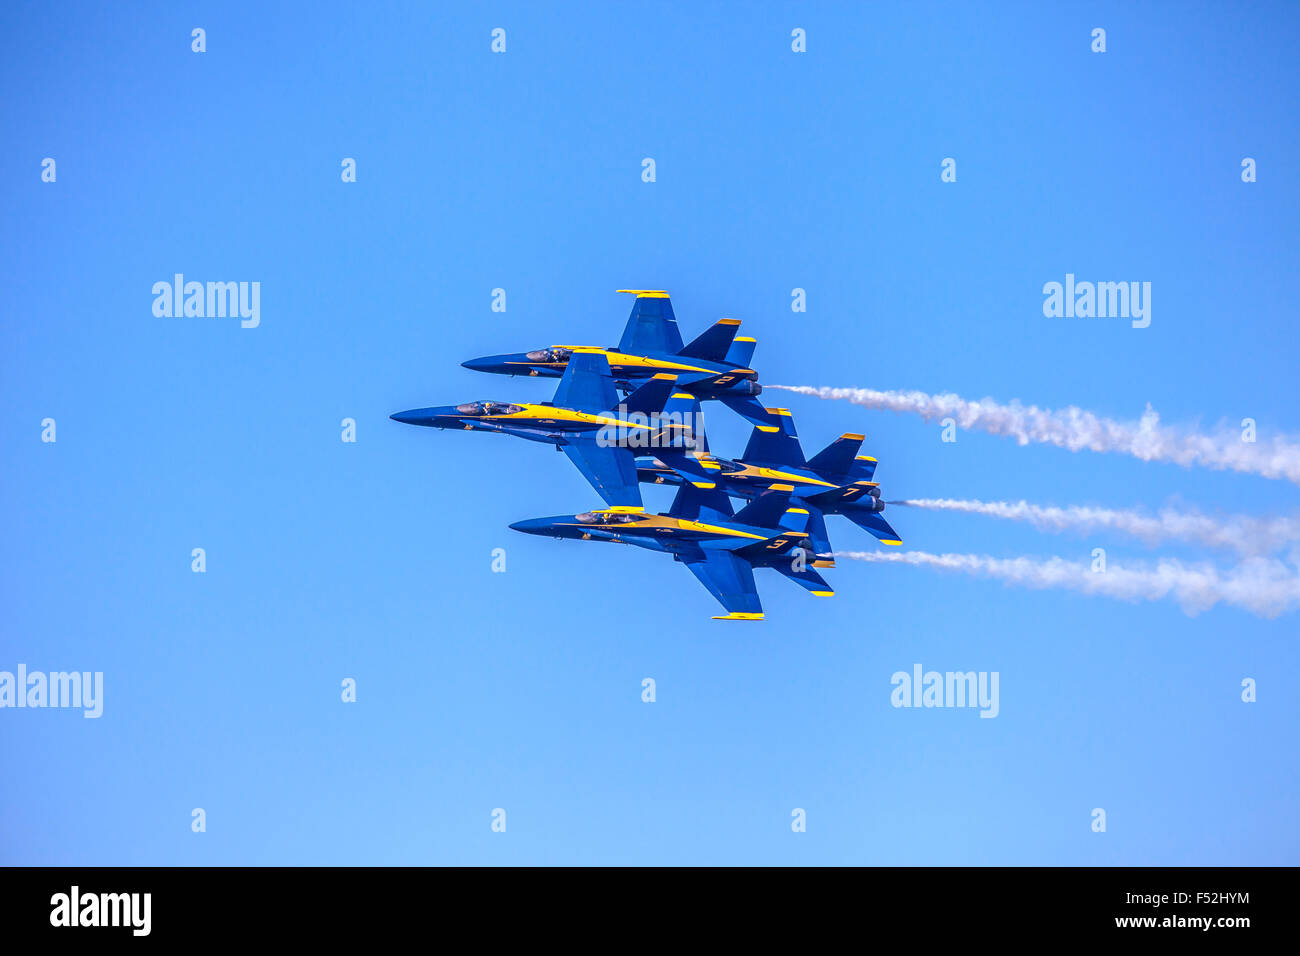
(702, 377)
(663, 533)
(652, 531)
(537, 422)
(737, 478)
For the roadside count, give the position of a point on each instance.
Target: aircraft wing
(807, 578)
(652, 326)
(587, 384)
(729, 579)
(611, 470)
(874, 524)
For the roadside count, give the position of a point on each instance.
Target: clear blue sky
(521, 690)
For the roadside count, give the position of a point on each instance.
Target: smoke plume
(1266, 587)
(1241, 533)
(1074, 428)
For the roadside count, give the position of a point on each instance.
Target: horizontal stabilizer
(836, 459)
(747, 407)
(806, 578)
(713, 343)
(874, 524)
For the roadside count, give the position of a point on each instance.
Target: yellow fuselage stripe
(662, 521)
(753, 471)
(533, 412)
(621, 359)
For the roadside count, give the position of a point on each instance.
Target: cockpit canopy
(488, 408)
(606, 517)
(548, 355)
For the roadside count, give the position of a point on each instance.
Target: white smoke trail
(1241, 533)
(1075, 428)
(1266, 587)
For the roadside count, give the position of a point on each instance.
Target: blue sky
(521, 690)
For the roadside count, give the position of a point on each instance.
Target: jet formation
(654, 434)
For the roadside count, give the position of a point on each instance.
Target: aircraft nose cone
(486, 364)
(530, 526)
(414, 416)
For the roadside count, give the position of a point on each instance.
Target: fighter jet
(719, 548)
(837, 480)
(581, 421)
(714, 366)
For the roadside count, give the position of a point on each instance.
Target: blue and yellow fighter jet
(714, 366)
(580, 420)
(837, 480)
(699, 530)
